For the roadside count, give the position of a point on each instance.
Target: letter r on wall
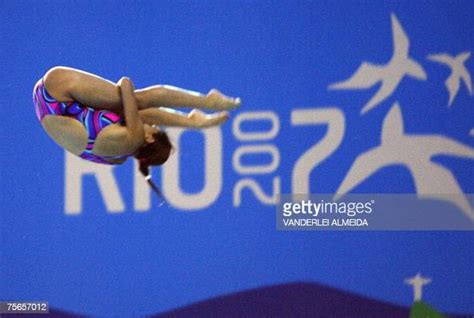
(75, 169)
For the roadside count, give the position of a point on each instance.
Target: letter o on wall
(256, 116)
(254, 169)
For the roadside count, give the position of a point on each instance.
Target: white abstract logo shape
(390, 74)
(458, 72)
(414, 152)
(418, 282)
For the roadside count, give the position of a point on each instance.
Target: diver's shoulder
(112, 141)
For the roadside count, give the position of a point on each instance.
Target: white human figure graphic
(418, 282)
(390, 74)
(414, 152)
(458, 72)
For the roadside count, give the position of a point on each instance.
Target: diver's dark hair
(154, 154)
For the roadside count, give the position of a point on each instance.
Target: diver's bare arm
(171, 117)
(136, 133)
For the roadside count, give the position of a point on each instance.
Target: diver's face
(150, 132)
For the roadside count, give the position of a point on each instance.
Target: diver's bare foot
(200, 119)
(218, 101)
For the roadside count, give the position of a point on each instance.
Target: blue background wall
(277, 56)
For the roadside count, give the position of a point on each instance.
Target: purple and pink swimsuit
(93, 120)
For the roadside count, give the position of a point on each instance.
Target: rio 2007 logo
(396, 147)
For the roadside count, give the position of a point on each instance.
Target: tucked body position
(107, 123)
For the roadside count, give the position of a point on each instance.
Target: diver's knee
(60, 81)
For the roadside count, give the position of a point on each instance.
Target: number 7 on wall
(335, 120)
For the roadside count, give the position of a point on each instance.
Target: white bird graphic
(458, 72)
(390, 74)
(414, 152)
(418, 282)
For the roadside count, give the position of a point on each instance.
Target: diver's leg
(68, 84)
(170, 96)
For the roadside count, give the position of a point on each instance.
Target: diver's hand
(200, 119)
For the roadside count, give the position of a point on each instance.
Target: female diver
(107, 123)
